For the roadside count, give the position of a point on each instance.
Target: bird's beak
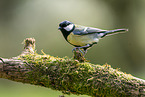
(59, 28)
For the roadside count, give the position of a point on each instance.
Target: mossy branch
(69, 75)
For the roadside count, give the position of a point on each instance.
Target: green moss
(70, 76)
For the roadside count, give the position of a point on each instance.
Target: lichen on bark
(69, 75)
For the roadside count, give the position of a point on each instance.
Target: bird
(82, 37)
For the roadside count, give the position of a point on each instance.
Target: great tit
(84, 37)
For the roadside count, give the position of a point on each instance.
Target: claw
(81, 51)
(82, 47)
(74, 49)
(85, 51)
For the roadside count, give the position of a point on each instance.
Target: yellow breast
(81, 40)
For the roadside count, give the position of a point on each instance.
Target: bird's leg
(82, 47)
(74, 49)
(79, 54)
(85, 51)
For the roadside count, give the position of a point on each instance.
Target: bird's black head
(66, 26)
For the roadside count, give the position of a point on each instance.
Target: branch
(69, 75)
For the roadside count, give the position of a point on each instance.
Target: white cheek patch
(69, 27)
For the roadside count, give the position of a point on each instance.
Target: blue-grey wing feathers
(81, 30)
(87, 30)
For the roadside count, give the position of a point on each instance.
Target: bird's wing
(81, 30)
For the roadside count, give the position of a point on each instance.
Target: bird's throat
(66, 33)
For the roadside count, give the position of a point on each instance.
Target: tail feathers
(115, 31)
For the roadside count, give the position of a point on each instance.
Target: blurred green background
(20, 19)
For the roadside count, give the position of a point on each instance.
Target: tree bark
(69, 75)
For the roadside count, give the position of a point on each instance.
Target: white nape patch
(69, 27)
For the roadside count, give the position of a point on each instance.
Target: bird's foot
(74, 49)
(78, 55)
(78, 48)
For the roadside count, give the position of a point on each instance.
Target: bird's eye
(64, 25)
